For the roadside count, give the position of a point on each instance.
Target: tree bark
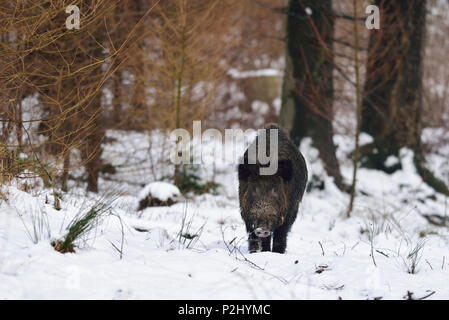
(307, 93)
(93, 148)
(392, 102)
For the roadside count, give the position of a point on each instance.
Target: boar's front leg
(266, 244)
(280, 239)
(253, 243)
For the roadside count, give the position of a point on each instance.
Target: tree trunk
(307, 93)
(117, 99)
(392, 103)
(93, 148)
(65, 170)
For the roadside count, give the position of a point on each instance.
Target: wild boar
(269, 202)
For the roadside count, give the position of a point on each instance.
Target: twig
(358, 119)
(115, 247)
(284, 281)
(123, 235)
(425, 297)
(382, 253)
(243, 258)
(322, 249)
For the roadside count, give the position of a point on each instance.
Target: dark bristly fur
(271, 202)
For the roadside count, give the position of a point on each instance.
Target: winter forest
(100, 99)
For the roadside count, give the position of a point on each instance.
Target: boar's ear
(244, 171)
(285, 169)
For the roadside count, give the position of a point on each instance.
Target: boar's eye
(285, 169)
(245, 170)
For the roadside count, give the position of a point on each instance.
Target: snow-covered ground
(140, 254)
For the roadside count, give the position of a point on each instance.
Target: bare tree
(392, 101)
(307, 95)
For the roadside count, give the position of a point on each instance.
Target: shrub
(189, 180)
(81, 225)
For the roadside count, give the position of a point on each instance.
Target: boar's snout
(262, 233)
(265, 218)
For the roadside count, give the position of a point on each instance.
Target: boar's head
(264, 198)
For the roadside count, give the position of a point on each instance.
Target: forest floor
(197, 249)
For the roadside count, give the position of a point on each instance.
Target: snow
(391, 161)
(237, 74)
(197, 249)
(260, 107)
(159, 190)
